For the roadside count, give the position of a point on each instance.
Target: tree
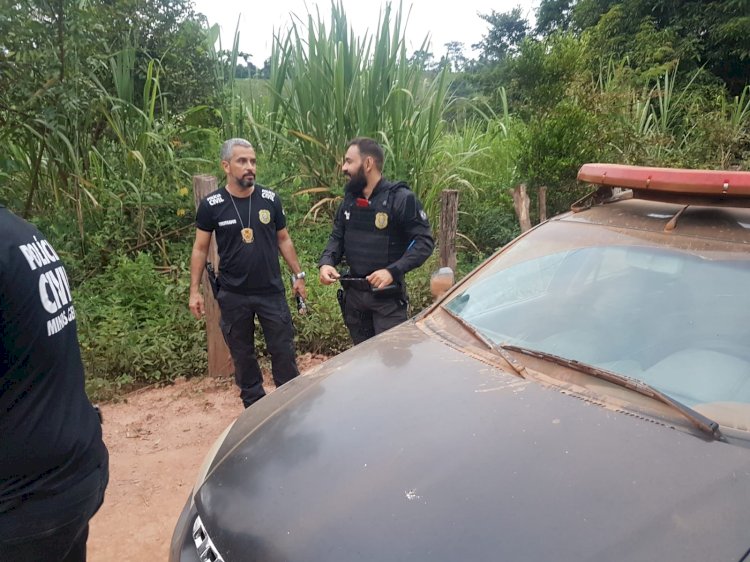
(710, 34)
(265, 72)
(553, 15)
(455, 55)
(422, 59)
(74, 74)
(507, 31)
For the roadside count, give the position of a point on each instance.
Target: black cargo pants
(238, 326)
(367, 314)
(54, 528)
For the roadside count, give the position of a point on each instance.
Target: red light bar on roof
(671, 180)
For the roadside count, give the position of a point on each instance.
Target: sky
(443, 21)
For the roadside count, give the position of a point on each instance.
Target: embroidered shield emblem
(381, 220)
(265, 216)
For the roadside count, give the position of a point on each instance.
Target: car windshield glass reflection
(669, 318)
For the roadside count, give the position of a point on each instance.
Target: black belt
(249, 292)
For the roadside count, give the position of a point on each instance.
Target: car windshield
(671, 316)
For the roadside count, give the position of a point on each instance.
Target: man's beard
(246, 182)
(356, 183)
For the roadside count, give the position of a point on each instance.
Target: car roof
(727, 224)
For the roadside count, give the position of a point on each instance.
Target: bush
(490, 228)
(135, 327)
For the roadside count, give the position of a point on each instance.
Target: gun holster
(212, 279)
(392, 290)
(341, 297)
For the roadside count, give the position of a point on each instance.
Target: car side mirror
(441, 281)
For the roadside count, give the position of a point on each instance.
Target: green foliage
(370, 88)
(489, 227)
(552, 16)
(322, 329)
(108, 108)
(85, 115)
(490, 145)
(702, 34)
(134, 324)
(668, 122)
(556, 143)
(507, 31)
(538, 76)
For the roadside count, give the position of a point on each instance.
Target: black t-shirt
(247, 268)
(50, 437)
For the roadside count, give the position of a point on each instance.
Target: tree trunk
(219, 359)
(448, 228)
(34, 181)
(521, 205)
(61, 38)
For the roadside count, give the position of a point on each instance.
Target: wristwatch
(300, 275)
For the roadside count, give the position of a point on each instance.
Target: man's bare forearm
(197, 263)
(290, 255)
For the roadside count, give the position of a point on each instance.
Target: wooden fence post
(219, 359)
(521, 204)
(448, 227)
(543, 203)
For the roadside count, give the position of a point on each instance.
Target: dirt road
(157, 439)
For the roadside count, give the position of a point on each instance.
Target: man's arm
(286, 247)
(197, 263)
(334, 250)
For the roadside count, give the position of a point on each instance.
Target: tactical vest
(372, 239)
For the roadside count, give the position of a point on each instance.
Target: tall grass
(328, 85)
(669, 122)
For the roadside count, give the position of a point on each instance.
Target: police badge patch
(265, 216)
(381, 220)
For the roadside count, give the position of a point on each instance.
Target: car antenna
(672, 224)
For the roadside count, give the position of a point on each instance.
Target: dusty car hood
(406, 449)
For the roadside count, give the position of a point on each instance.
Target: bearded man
(382, 232)
(250, 228)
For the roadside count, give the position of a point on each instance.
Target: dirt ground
(157, 438)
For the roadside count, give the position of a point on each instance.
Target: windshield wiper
(702, 422)
(515, 365)
(469, 328)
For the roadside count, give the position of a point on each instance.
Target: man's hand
(380, 278)
(197, 306)
(328, 274)
(298, 287)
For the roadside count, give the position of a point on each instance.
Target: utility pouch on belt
(212, 279)
(392, 290)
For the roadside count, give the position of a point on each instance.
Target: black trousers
(53, 528)
(367, 314)
(238, 314)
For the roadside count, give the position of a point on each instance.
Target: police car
(582, 395)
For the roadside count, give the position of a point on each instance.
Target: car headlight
(209, 459)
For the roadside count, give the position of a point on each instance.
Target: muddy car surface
(583, 395)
